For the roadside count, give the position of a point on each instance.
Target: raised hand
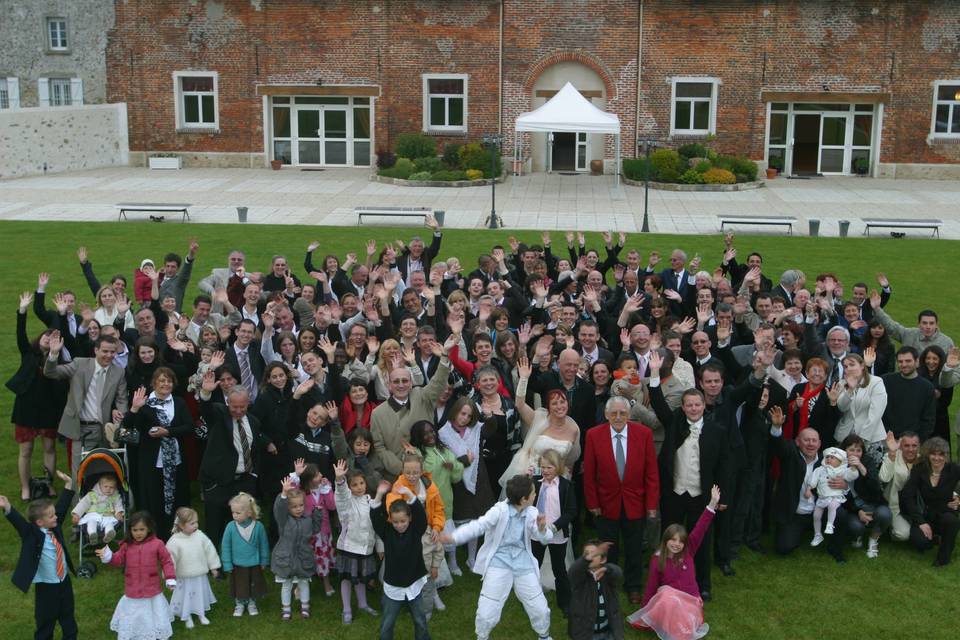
(672, 295)
(514, 244)
(545, 238)
(892, 443)
(55, 343)
(656, 361)
(329, 348)
(834, 392)
(874, 299)
(569, 236)
(452, 340)
(303, 388)
(607, 237)
(723, 329)
(654, 259)
(340, 469)
(776, 416)
(382, 488)
(299, 466)
(285, 485)
(82, 255)
(373, 344)
(66, 479)
(210, 382)
(953, 358)
(43, 280)
(268, 319)
(139, 399)
(123, 304)
(882, 280)
(409, 356)
(26, 298)
(542, 522)
(686, 326)
(150, 271)
(523, 368)
(714, 496)
(312, 246)
(869, 356)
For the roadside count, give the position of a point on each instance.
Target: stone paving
(537, 201)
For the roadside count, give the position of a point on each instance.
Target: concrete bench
(392, 212)
(902, 223)
(782, 221)
(154, 207)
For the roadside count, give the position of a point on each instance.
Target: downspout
(636, 125)
(500, 78)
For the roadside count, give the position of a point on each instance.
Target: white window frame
(954, 104)
(712, 100)
(8, 94)
(178, 93)
(62, 34)
(65, 87)
(427, 127)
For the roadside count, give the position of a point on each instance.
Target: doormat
(567, 173)
(311, 169)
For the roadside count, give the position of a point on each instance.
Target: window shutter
(76, 91)
(43, 89)
(13, 92)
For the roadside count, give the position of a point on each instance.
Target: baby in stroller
(100, 510)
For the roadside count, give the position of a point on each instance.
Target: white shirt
(405, 593)
(613, 440)
(686, 463)
(805, 505)
(592, 356)
(245, 425)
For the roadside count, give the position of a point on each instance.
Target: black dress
(38, 401)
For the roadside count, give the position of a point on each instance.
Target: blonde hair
(295, 494)
(247, 501)
(552, 456)
(183, 516)
(382, 362)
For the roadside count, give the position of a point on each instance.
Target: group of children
(404, 524)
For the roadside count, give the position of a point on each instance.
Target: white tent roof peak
(568, 110)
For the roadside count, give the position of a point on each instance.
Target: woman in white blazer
(861, 399)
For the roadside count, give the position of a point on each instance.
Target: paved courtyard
(537, 201)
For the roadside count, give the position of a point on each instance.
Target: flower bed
(414, 162)
(692, 167)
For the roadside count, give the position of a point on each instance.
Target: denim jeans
(882, 517)
(391, 609)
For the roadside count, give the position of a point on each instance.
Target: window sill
(58, 52)
(446, 132)
(204, 130)
(943, 139)
(690, 135)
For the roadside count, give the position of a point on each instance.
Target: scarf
(809, 401)
(169, 450)
(460, 445)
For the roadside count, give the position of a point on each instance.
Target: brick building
(817, 84)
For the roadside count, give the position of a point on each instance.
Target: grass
(803, 596)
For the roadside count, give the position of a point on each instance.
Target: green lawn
(898, 595)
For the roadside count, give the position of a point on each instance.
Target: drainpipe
(500, 79)
(636, 125)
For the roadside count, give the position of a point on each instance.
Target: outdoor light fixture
(648, 145)
(492, 141)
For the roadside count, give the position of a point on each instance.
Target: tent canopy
(568, 111)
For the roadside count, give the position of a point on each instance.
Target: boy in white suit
(505, 559)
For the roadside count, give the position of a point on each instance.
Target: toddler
(194, 556)
(245, 553)
(834, 466)
(627, 382)
(143, 612)
(292, 562)
(595, 609)
(100, 510)
(319, 497)
(355, 563)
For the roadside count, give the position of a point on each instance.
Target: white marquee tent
(568, 111)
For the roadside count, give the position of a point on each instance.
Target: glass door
(833, 143)
(583, 151)
(308, 136)
(334, 136)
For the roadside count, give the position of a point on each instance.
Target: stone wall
(55, 139)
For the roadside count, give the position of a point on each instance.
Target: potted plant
(164, 161)
(861, 166)
(275, 164)
(775, 166)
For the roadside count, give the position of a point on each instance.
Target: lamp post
(647, 144)
(492, 141)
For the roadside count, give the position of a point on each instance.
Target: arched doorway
(567, 151)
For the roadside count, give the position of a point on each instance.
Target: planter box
(165, 163)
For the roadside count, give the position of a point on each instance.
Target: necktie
(246, 377)
(244, 446)
(94, 400)
(61, 569)
(835, 371)
(620, 455)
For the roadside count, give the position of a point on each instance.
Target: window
(57, 34)
(946, 109)
(444, 102)
(693, 106)
(6, 99)
(196, 106)
(60, 92)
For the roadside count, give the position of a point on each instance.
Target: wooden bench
(392, 212)
(903, 223)
(156, 207)
(786, 221)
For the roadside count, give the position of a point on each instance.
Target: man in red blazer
(621, 486)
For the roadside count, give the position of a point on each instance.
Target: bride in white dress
(549, 428)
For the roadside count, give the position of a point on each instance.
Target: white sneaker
(857, 542)
(188, 623)
(828, 530)
(238, 610)
(438, 603)
(455, 571)
(204, 620)
(109, 535)
(252, 608)
(873, 548)
(817, 539)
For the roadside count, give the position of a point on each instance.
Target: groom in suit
(621, 486)
(98, 394)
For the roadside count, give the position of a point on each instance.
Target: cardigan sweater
(235, 551)
(679, 575)
(356, 528)
(193, 555)
(402, 552)
(443, 478)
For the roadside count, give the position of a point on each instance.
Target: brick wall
(894, 46)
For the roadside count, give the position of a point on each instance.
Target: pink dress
(322, 542)
(672, 607)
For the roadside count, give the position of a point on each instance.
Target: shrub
(635, 168)
(703, 166)
(474, 174)
(385, 158)
(401, 169)
(476, 156)
(693, 150)
(691, 176)
(419, 175)
(451, 155)
(745, 166)
(449, 175)
(415, 145)
(718, 176)
(428, 164)
(668, 175)
(665, 162)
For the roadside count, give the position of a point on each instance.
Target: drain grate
(311, 169)
(567, 173)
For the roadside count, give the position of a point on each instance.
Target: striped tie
(61, 571)
(246, 376)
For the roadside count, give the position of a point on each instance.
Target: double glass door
(321, 135)
(820, 139)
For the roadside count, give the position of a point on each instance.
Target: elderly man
(926, 333)
(833, 353)
(415, 256)
(791, 509)
(219, 277)
(391, 421)
(356, 283)
(789, 282)
(895, 469)
(621, 487)
(231, 457)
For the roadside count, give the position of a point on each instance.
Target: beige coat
(80, 372)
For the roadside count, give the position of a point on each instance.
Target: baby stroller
(94, 464)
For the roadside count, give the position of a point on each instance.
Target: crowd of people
(362, 421)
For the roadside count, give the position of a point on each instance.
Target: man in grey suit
(219, 278)
(98, 394)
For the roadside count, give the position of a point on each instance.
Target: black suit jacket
(257, 365)
(49, 318)
(583, 409)
(793, 468)
(32, 539)
(220, 458)
(568, 504)
(426, 259)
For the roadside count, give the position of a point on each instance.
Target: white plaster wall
(583, 78)
(53, 139)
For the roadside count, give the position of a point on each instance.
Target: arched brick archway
(582, 57)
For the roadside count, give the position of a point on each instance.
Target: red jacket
(142, 287)
(141, 562)
(639, 491)
(348, 415)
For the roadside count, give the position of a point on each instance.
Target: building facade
(817, 86)
(54, 52)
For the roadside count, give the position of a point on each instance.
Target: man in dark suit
(50, 318)
(692, 459)
(588, 335)
(792, 514)
(621, 487)
(789, 282)
(231, 458)
(700, 353)
(356, 283)
(244, 356)
(676, 276)
(581, 396)
(416, 257)
(45, 562)
(428, 363)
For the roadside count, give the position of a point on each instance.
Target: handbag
(125, 435)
